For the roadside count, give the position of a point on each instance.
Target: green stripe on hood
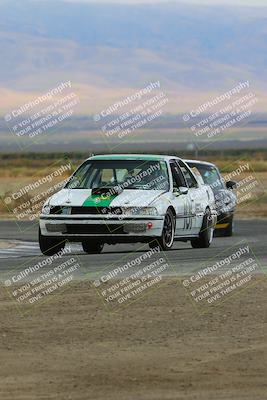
(99, 200)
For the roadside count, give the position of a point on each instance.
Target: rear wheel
(92, 247)
(50, 246)
(167, 238)
(206, 234)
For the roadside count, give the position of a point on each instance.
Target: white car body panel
(189, 209)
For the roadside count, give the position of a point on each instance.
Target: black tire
(206, 233)
(166, 240)
(92, 247)
(229, 230)
(50, 246)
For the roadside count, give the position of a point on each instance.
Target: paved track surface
(19, 247)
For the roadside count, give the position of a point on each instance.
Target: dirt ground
(159, 348)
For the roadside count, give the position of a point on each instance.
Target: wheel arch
(171, 208)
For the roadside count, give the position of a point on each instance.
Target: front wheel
(50, 246)
(206, 233)
(92, 247)
(166, 240)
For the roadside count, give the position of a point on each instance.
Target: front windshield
(210, 175)
(121, 174)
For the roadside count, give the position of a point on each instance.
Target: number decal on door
(188, 220)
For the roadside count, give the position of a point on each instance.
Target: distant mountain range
(108, 49)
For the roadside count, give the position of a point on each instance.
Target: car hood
(84, 197)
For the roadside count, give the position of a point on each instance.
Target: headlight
(140, 211)
(46, 209)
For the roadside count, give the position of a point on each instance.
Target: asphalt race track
(19, 246)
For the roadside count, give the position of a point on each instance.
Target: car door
(197, 196)
(181, 202)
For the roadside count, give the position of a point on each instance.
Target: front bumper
(89, 226)
(224, 219)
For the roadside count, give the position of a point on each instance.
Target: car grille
(56, 210)
(73, 229)
(96, 210)
(87, 210)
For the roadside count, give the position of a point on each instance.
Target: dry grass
(16, 173)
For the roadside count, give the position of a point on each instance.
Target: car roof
(148, 157)
(200, 162)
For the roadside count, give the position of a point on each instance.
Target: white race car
(129, 198)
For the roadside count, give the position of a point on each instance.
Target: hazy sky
(210, 2)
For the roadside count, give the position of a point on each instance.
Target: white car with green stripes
(127, 198)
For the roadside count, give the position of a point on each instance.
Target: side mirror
(180, 190)
(183, 190)
(231, 185)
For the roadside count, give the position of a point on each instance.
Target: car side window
(177, 176)
(190, 179)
